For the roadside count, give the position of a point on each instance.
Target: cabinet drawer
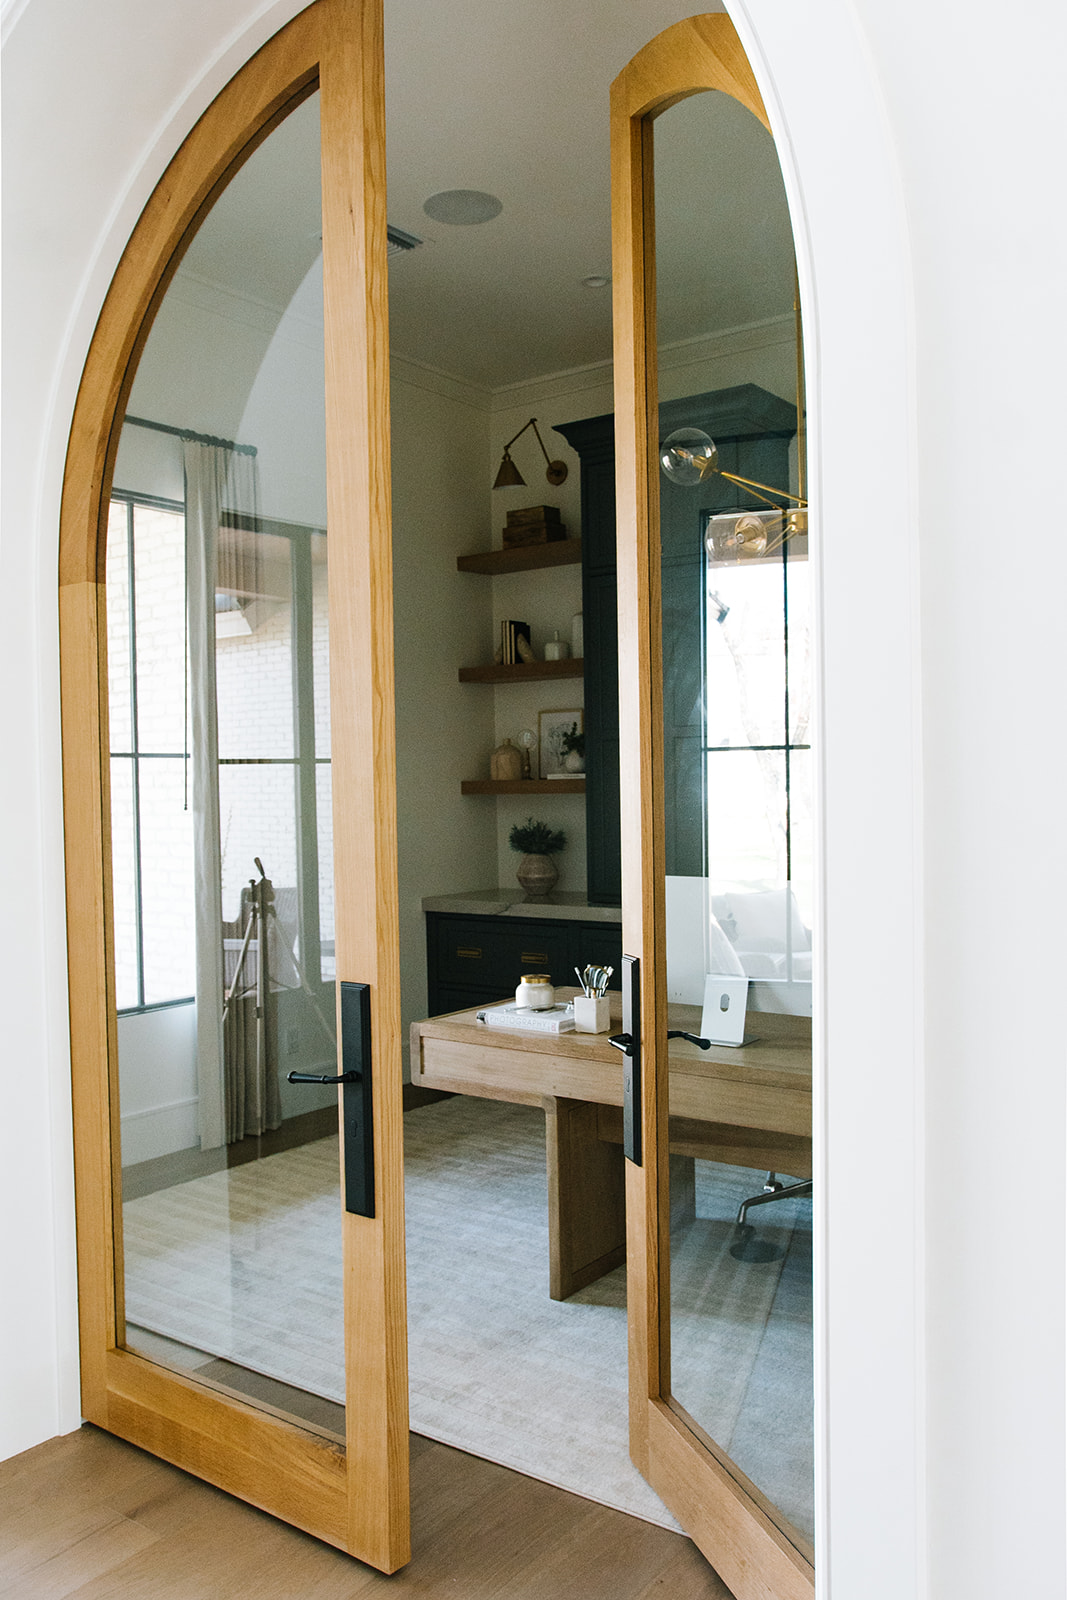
(598, 944)
(468, 953)
(534, 947)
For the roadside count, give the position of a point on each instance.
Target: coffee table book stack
(553, 1019)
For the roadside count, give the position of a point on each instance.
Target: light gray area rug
(246, 1264)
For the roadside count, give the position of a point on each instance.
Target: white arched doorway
(853, 332)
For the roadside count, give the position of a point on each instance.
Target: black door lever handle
(678, 1033)
(623, 1042)
(318, 1077)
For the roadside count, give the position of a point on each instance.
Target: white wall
(988, 406)
(919, 142)
(157, 1082)
(444, 729)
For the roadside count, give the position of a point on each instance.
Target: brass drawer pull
(534, 958)
(469, 955)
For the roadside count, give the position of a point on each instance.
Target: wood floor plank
(125, 1526)
(606, 1558)
(686, 1576)
(95, 1555)
(45, 1529)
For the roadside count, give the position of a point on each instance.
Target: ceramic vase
(537, 874)
(505, 763)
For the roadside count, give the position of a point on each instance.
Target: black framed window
(272, 668)
(758, 758)
(151, 825)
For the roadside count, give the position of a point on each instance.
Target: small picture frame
(552, 727)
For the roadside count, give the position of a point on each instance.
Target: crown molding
(771, 332)
(206, 295)
(434, 381)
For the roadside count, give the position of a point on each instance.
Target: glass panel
(257, 813)
(802, 835)
(119, 663)
(320, 634)
(231, 1204)
(254, 651)
(124, 884)
(736, 695)
(798, 576)
(159, 613)
(167, 907)
(323, 780)
(745, 656)
(321, 646)
(746, 812)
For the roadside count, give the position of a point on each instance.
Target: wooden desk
(748, 1108)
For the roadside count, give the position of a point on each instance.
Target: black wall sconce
(509, 475)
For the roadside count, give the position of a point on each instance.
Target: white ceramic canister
(535, 991)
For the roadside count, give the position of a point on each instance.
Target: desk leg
(586, 1198)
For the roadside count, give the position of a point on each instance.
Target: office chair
(773, 1189)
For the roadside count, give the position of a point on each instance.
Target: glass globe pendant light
(688, 456)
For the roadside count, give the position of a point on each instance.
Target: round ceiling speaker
(462, 208)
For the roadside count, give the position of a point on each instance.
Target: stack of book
(510, 634)
(554, 1019)
(534, 525)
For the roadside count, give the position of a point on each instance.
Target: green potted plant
(537, 843)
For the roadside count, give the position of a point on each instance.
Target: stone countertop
(558, 907)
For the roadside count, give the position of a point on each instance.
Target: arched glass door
(717, 927)
(231, 842)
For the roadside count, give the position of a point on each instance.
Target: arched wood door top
(694, 55)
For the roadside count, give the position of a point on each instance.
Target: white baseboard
(159, 1131)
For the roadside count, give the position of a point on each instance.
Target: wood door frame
(744, 1537)
(356, 1497)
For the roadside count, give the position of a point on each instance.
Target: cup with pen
(592, 1008)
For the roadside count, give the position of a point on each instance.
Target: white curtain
(218, 480)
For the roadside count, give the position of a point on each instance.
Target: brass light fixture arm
(754, 488)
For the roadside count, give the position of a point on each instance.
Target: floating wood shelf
(523, 786)
(523, 557)
(524, 671)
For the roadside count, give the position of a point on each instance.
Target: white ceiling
(511, 97)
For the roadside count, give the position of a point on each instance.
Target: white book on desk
(553, 1019)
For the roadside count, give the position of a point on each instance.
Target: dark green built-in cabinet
(752, 429)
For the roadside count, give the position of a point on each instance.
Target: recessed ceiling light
(596, 280)
(463, 207)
